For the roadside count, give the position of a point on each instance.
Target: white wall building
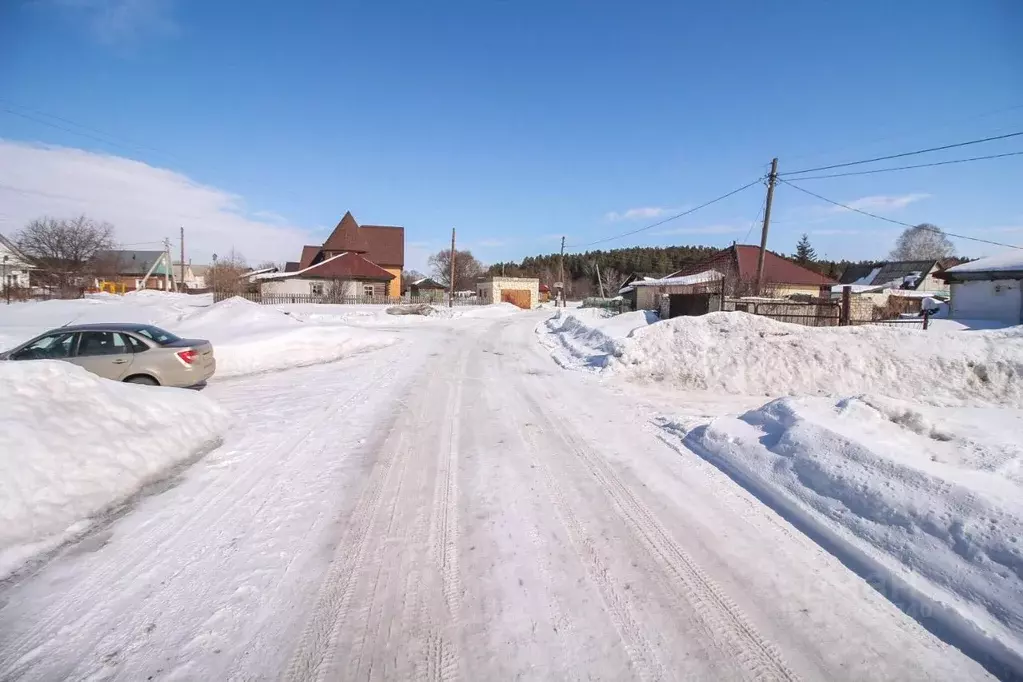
(14, 266)
(522, 291)
(987, 289)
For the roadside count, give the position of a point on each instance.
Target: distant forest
(617, 264)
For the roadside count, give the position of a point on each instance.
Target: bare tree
(266, 265)
(228, 275)
(65, 250)
(923, 242)
(612, 281)
(408, 277)
(467, 269)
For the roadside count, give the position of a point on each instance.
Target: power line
(914, 133)
(98, 138)
(898, 222)
(756, 220)
(899, 168)
(667, 220)
(899, 156)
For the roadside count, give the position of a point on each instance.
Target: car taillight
(188, 356)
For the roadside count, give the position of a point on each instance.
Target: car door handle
(120, 361)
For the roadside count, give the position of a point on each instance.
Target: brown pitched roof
(309, 254)
(291, 266)
(776, 269)
(347, 266)
(741, 260)
(386, 245)
(381, 244)
(347, 236)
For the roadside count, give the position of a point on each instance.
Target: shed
(646, 294)
(428, 288)
(987, 289)
(521, 291)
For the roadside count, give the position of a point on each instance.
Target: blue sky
(515, 122)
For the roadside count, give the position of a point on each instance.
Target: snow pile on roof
(749, 354)
(249, 338)
(588, 337)
(72, 445)
(686, 280)
(1009, 260)
(925, 503)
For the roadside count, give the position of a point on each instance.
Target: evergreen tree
(804, 252)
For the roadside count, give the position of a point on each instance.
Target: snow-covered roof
(698, 278)
(858, 288)
(263, 274)
(1007, 260)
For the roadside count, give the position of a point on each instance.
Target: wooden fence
(825, 312)
(284, 299)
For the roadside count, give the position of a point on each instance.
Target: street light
(214, 278)
(7, 285)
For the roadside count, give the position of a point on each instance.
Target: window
(367, 290)
(137, 346)
(161, 336)
(316, 288)
(51, 347)
(101, 343)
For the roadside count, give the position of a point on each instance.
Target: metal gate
(520, 297)
(688, 304)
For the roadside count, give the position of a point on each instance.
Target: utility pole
(182, 282)
(562, 276)
(599, 282)
(169, 269)
(451, 280)
(771, 180)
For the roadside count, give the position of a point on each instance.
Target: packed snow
(927, 502)
(911, 472)
(72, 445)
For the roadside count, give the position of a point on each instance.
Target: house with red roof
(355, 261)
(738, 265)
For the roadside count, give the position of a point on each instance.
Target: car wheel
(143, 380)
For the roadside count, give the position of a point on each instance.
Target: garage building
(521, 291)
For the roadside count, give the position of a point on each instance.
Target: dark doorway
(688, 304)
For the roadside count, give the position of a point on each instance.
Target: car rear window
(158, 335)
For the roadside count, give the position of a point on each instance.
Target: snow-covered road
(453, 506)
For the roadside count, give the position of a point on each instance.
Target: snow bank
(748, 354)
(249, 338)
(22, 321)
(925, 502)
(72, 445)
(589, 337)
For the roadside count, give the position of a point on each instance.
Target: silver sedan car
(135, 353)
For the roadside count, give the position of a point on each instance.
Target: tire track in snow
(410, 604)
(726, 623)
(638, 648)
(133, 559)
(444, 532)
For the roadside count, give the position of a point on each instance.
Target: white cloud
(123, 21)
(645, 213)
(144, 203)
(702, 229)
(882, 203)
